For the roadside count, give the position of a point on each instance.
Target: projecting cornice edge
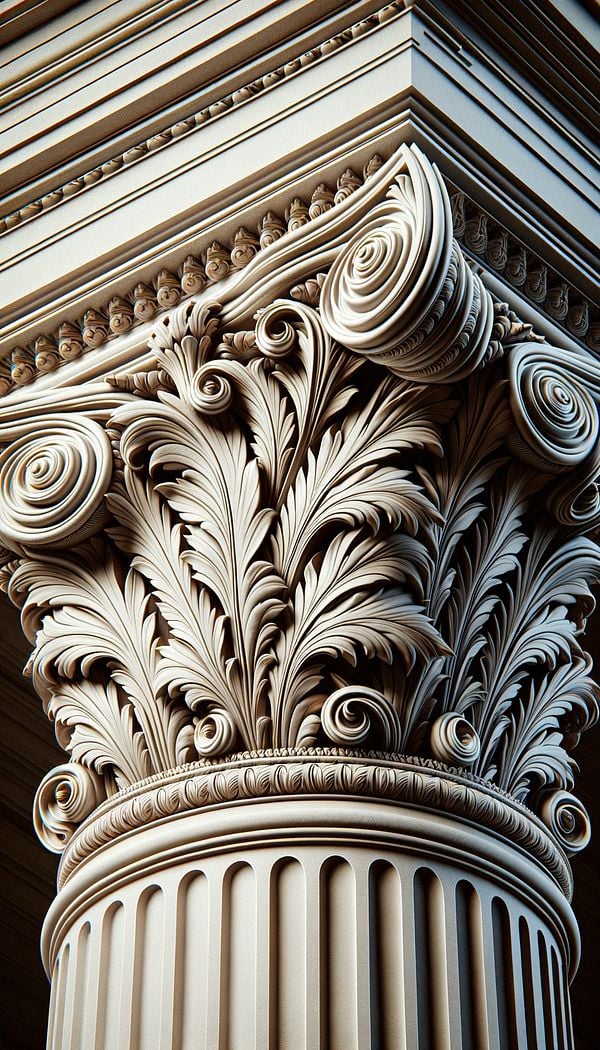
(109, 334)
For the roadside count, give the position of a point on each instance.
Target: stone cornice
(159, 137)
(493, 156)
(492, 244)
(553, 41)
(108, 63)
(475, 229)
(195, 120)
(211, 264)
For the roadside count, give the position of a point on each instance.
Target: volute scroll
(353, 513)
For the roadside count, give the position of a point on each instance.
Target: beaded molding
(210, 265)
(474, 229)
(273, 773)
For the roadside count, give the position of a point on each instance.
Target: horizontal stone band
(423, 783)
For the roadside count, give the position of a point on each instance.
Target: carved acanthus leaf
(192, 659)
(329, 528)
(220, 499)
(317, 376)
(472, 456)
(352, 479)
(337, 613)
(244, 555)
(96, 619)
(183, 340)
(496, 540)
(535, 625)
(532, 750)
(99, 729)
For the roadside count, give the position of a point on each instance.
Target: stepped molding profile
(195, 121)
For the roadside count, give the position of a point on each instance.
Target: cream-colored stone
(305, 563)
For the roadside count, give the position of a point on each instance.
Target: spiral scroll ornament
(215, 734)
(454, 740)
(555, 414)
(211, 392)
(575, 500)
(275, 336)
(52, 483)
(353, 716)
(567, 819)
(401, 292)
(65, 797)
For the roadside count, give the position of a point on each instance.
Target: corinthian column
(305, 583)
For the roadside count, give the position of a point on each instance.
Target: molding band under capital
(430, 786)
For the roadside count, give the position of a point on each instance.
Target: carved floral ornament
(363, 521)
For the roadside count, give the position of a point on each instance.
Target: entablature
(393, 76)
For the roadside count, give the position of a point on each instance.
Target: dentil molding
(214, 262)
(358, 518)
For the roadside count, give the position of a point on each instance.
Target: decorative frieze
(212, 263)
(523, 269)
(215, 262)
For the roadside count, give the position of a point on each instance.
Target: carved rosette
(363, 521)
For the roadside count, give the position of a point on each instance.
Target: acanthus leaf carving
(533, 748)
(234, 496)
(89, 615)
(352, 478)
(337, 613)
(536, 625)
(329, 528)
(190, 659)
(98, 728)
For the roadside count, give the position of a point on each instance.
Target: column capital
(342, 505)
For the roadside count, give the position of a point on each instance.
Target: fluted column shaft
(310, 924)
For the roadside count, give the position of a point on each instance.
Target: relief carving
(361, 518)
